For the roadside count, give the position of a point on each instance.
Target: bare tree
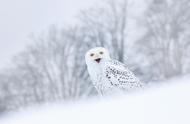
(165, 43)
(64, 71)
(52, 68)
(106, 26)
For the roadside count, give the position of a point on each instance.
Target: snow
(164, 104)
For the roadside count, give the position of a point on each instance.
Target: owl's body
(110, 76)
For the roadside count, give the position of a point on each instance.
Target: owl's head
(96, 55)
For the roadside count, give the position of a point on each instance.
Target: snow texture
(164, 104)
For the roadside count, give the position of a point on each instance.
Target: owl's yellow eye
(101, 52)
(92, 54)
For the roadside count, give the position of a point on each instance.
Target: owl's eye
(92, 54)
(101, 52)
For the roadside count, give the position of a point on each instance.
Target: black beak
(98, 60)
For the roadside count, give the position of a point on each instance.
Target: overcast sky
(19, 18)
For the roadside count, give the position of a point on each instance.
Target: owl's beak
(98, 60)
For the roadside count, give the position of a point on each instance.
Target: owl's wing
(120, 76)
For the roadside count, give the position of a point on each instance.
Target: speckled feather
(116, 77)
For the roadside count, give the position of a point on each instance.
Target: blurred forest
(53, 68)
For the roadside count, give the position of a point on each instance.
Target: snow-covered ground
(164, 104)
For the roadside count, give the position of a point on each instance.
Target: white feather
(109, 76)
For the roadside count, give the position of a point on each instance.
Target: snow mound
(167, 104)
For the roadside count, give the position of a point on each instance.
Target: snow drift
(167, 104)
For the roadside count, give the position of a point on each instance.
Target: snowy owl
(108, 75)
